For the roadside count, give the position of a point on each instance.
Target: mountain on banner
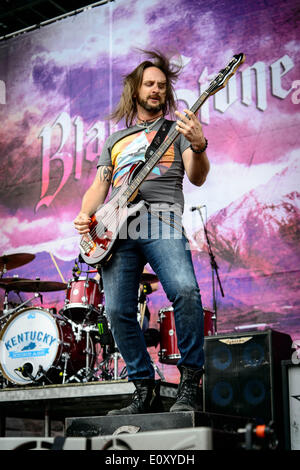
(255, 243)
(259, 232)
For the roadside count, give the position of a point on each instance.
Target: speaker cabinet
(291, 402)
(243, 374)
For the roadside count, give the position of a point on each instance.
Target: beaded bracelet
(202, 150)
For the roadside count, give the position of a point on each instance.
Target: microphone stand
(214, 271)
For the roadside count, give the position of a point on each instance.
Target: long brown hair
(126, 107)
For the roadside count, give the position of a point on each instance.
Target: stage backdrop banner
(59, 83)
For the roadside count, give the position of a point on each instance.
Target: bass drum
(34, 344)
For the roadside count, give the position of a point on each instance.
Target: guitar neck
(156, 156)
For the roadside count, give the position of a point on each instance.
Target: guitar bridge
(90, 245)
(86, 244)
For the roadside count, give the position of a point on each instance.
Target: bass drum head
(30, 339)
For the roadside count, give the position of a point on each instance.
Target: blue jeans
(166, 252)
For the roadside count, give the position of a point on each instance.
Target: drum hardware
(82, 376)
(116, 357)
(7, 311)
(3, 381)
(65, 357)
(106, 339)
(86, 373)
(157, 369)
(18, 307)
(107, 371)
(43, 373)
(78, 270)
(88, 352)
(26, 371)
(77, 330)
(63, 319)
(142, 303)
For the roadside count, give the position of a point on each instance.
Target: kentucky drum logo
(30, 336)
(28, 344)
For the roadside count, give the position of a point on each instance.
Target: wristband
(202, 150)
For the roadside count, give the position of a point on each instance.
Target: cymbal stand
(66, 357)
(159, 372)
(214, 271)
(142, 303)
(116, 356)
(7, 311)
(5, 303)
(36, 295)
(4, 270)
(88, 353)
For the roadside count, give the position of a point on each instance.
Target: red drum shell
(169, 352)
(82, 300)
(75, 349)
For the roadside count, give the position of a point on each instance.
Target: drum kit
(40, 346)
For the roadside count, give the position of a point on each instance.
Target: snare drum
(34, 341)
(83, 300)
(169, 352)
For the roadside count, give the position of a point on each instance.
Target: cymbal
(6, 282)
(148, 277)
(14, 261)
(28, 285)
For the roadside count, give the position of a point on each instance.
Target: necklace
(146, 126)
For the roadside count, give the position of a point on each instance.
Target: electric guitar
(106, 224)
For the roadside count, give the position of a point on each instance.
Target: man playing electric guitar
(148, 96)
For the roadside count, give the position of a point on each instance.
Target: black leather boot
(188, 390)
(145, 399)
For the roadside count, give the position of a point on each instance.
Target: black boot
(145, 399)
(188, 390)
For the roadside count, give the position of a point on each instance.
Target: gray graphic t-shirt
(127, 147)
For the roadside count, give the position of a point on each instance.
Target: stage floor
(58, 402)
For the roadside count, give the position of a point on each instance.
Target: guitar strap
(158, 138)
(156, 141)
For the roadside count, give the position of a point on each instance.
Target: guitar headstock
(225, 74)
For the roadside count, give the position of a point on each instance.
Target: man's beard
(144, 104)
